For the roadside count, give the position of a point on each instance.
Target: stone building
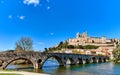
(83, 39)
(106, 46)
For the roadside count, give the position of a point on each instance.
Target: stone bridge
(38, 59)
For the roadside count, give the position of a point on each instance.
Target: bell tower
(84, 34)
(77, 35)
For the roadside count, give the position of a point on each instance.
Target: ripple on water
(52, 68)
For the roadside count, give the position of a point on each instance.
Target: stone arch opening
(69, 61)
(21, 58)
(93, 41)
(51, 62)
(100, 60)
(39, 61)
(104, 59)
(79, 61)
(94, 59)
(87, 61)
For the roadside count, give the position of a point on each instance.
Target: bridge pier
(37, 66)
(91, 60)
(74, 61)
(1, 68)
(83, 61)
(96, 61)
(105, 60)
(100, 60)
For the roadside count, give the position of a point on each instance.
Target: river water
(52, 67)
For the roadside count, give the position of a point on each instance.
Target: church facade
(83, 39)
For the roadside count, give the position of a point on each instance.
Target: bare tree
(24, 43)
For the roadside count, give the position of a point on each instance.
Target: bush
(90, 47)
(116, 55)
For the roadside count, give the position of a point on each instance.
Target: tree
(18, 47)
(79, 47)
(60, 45)
(116, 55)
(65, 44)
(24, 43)
(90, 47)
(71, 47)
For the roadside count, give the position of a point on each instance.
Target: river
(52, 67)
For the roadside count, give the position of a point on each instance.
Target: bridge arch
(59, 60)
(79, 61)
(39, 60)
(99, 59)
(87, 60)
(71, 61)
(5, 64)
(104, 59)
(94, 59)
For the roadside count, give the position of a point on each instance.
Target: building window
(93, 41)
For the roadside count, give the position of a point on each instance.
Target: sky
(47, 22)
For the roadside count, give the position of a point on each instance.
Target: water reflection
(20, 67)
(52, 67)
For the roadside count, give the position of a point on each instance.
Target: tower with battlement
(78, 35)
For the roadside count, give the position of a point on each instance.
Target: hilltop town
(84, 44)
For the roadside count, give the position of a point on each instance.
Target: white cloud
(21, 17)
(51, 33)
(10, 16)
(16, 17)
(34, 2)
(48, 7)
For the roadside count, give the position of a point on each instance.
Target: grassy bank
(9, 74)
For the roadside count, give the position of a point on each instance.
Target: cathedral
(83, 39)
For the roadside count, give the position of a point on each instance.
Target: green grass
(9, 74)
(7, 70)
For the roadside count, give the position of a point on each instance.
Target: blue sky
(47, 22)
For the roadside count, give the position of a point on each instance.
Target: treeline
(65, 45)
(116, 55)
(61, 45)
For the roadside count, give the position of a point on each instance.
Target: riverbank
(21, 73)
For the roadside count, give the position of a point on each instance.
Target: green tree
(71, 47)
(79, 47)
(65, 44)
(116, 55)
(60, 44)
(90, 47)
(46, 50)
(24, 43)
